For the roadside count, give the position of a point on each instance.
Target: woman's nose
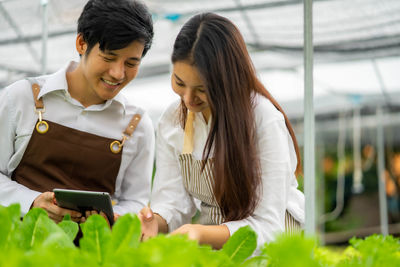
(189, 96)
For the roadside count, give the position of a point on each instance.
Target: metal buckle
(41, 122)
(118, 144)
(40, 129)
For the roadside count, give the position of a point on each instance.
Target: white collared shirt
(110, 119)
(278, 163)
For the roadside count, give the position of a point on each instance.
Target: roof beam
(36, 37)
(18, 32)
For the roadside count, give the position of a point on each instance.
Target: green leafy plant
(375, 250)
(241, 245)
(291, 251)
(38, 241)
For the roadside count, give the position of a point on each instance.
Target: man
(72, 129)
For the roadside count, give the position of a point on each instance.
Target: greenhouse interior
(355, 89)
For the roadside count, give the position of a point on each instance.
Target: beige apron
(199, 183)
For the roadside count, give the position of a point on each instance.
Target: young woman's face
(186, 82)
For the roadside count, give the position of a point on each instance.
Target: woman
(226, 149)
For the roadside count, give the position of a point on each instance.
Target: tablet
(82, 201)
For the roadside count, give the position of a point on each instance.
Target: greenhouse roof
(356, 43)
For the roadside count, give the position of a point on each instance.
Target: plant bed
(38, 241)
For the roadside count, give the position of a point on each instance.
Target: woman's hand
(214, 235)
(149, 223)
(48, 202)
(193, 231)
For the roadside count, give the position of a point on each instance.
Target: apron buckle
(116, 145)
(42, 127)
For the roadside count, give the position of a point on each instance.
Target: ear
(81, 45)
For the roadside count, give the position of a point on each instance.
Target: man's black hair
(114, 24)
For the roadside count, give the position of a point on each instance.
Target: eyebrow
(111, 53)
(177, 77)
(180, 80)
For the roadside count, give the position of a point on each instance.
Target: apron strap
(188, 137)
(116, 146)
(35, 91)
(42, 126)
(38, 102)
(132, 125)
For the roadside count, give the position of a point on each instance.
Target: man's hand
(48, 202)
(88, 213)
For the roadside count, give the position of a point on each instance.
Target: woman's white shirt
(278, 163)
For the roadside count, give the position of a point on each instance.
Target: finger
(55, 217)
(178, 231)
(174, 233)
(63, 212)
(105, 217)
(145, 237)
(103, 214)
(147, 214)
(59, 210)
(46, 201)
(88, 213)
(54, 199)
(77, 219)
(59, 218)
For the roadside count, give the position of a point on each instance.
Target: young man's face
(105, 73)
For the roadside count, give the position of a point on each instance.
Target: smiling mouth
(196, 104)
(110, 82)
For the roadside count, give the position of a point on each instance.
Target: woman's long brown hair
(216, 48)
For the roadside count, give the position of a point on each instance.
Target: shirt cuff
(28, 197)
(167, 216)
(233, 226)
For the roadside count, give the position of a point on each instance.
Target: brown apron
(61, 157)
(199, 184)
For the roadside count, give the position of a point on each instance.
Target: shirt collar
(200, 118)
(58, 81)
